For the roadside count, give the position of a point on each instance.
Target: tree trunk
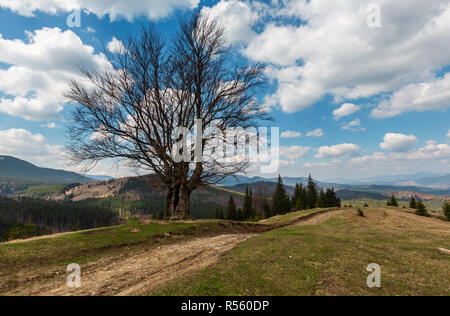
(178, 201)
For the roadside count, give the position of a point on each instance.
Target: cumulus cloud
(431, 151)
(115, 46)
(23, 144)
(398, 142)
(378, 156)
(237, 17)
(354, 126)
(294, 152)
(337, 151)
(345, 110)
(35, 82)
(335, 52)
(316, 133)
(291, 134)
(153, 9)
(50, 125)
(433, 94)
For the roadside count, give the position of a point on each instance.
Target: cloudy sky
(354, 95)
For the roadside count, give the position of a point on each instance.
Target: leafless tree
(129, 111)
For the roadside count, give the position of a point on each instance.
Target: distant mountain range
(420, 179)
(13, 169)
(23, 174)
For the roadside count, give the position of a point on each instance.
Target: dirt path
(142, 272)
(319, 218)
(145, 270)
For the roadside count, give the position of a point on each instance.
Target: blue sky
(390, 84)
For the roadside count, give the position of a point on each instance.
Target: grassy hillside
(331, 259)
(16, 170)
(326, 254)
(434, 205)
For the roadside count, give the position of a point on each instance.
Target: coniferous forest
(25, 217)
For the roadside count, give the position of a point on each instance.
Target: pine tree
(322, 200)
(302, 201)
(247, 205)
(421, 210)
(312, 193)
(281, 203)
(266, 209)
(393, 201)
(231, 209)
(219, 213)
(240, 215)
(413, 203)
(250, 203)
(446, 210)
(296, 197)
(332, 199)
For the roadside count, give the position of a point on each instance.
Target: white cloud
(430, 95)
(354, 126)
(153, 9)
(374, 157)
(431, 151)
(345, 110)
(22, 144)
(316, 133)
(335, 52)
(294, 152)
(115, 46)
(34, 148)
(398, 142)
(337, 151)
(90, 30)
(291, 134)
(50, 125)
(448, 134)
(237, 17)
(34, 84)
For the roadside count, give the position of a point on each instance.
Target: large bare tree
(154, 85)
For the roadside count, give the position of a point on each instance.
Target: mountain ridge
(14, 169)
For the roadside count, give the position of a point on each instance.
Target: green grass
(291, 216)
(87, 246)
(42, 191)
(228, 190)
(434, 205)
(331, 259)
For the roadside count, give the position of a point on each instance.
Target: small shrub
(446, 210)
(361, 213)
(421, 210)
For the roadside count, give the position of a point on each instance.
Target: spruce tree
(231, 209)
(413, 203)
(296, 197)
(247, 205)
(240, 215)
(393, 201)
(250, 203)
(446, 210)
(312, 193)
(302, 201)
(421, 210)
(266, 209)
(332, 199)
(281, 203)
(322, 200)
(217, 214)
